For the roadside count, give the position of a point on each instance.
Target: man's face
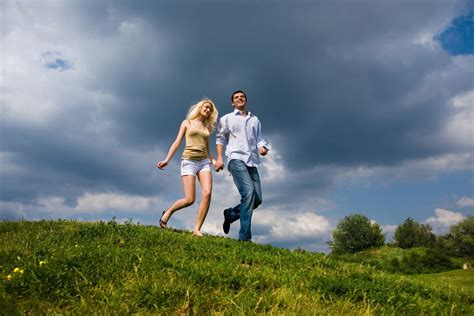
(239, 101)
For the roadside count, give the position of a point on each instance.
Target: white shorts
(193, 167)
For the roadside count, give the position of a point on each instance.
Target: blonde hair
(195, 110)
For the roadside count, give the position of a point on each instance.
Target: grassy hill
(106, 268)
(459, 279)
(383, 258)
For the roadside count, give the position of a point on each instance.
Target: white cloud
(89, 203)
(272, 226)
(53, 204)
(465, 100)
(30, 91)
(443, 220)
(294, 226)
(132, 27)
(417, 169)
(51, 66)
(97, 203)
(302, 230)
(460, 128)
(303, 225)
(465, 202)
(426, 39)
(272, 167)
(389, 231)
(12, 210)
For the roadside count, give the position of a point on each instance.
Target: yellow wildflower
(43, 262)
(18, 270)
(9, 277)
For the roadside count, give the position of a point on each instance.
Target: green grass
(106, 268)
(383, 258)
(378, 257)
(459, 279)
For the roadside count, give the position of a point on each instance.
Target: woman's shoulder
(185, 124)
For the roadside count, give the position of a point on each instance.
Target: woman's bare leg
(187, 200)
(205, 178)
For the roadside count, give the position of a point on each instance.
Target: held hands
(218, 165)
(162, 164)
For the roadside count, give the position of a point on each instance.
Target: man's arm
(219, 163)
(221, 142)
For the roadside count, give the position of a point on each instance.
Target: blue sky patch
(59, 64)
(458, 38)
(53, 60)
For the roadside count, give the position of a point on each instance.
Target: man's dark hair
(235, 92)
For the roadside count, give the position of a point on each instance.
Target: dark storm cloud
(333, 80)
(52, 163)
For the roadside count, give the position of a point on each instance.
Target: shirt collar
(238, 112)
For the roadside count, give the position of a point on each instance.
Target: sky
(368, 107)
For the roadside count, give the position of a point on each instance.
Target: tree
(461, 238)
(354, 233)
(411, 234)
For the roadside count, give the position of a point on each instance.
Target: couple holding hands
(239, 132)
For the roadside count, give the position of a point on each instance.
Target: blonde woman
(196, 161)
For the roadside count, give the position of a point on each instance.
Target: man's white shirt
(241, 136)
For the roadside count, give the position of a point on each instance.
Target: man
(240, 133)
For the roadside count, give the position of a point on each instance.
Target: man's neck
(243, 111)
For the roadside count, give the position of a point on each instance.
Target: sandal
(162, 222)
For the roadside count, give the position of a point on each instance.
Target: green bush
(422, 260)
(412, 234)
(460, 241)
(355, 233)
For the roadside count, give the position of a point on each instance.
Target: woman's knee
(206, 194)
(188, 201)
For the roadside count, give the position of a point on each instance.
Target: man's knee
(248, 195)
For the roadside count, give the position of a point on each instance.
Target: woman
(196, 161)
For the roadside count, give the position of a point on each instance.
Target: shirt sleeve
(260, 140)
(222, 135)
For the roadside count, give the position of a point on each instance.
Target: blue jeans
(247, 181)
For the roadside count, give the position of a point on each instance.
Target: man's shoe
(226, 225)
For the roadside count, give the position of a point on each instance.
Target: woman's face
(206, 109)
